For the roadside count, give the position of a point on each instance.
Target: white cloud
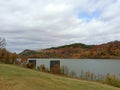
(38, 24)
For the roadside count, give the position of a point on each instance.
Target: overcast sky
(39, 24)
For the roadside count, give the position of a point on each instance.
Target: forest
(108, 50)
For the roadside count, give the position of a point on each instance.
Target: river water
(96, 66)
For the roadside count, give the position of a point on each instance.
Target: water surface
(96, 66)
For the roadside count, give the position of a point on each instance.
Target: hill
(19, 78)
(77, 50)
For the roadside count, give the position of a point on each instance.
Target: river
(96, 66)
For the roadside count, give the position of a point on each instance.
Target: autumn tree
(13, 57)
(6, 56)
(55, 69)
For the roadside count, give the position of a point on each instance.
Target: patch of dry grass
(18, 78)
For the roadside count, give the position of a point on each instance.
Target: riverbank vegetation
(89, 76)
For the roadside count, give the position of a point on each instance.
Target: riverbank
(18, 78)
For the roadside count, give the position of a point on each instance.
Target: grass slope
(17, 78)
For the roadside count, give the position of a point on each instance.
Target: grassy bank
(18, 78)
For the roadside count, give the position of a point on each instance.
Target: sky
(40, 24)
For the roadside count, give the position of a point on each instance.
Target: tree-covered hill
(77, 50)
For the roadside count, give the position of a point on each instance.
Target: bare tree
(2, 42)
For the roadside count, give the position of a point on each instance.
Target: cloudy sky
(39, 24)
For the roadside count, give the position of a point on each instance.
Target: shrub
(55, 69)
(64, 70)
(112, 80)
(30, 65)
(73, 73)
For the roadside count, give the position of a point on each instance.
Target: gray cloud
(38, 24)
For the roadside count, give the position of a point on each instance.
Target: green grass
(18, 78)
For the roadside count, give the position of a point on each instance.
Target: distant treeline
(77, 50)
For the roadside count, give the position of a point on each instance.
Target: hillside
(77, 50)
(18, 78)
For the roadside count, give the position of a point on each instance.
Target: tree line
(78, 50)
